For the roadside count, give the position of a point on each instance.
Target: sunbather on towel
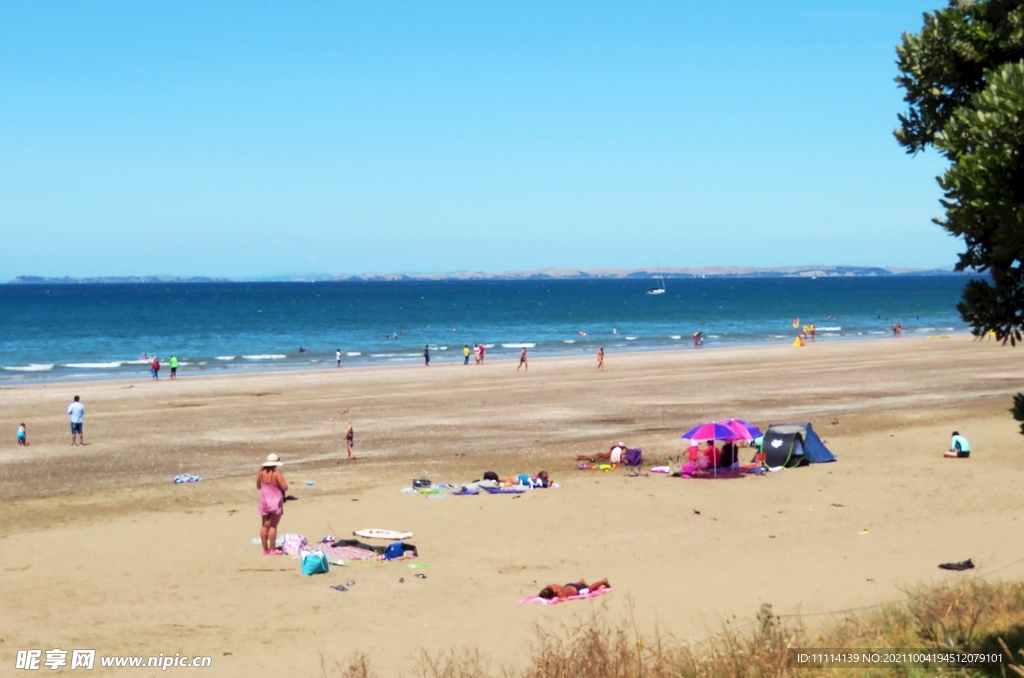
(572, 589)
(616, 454)
(526, 480)
(490, 479)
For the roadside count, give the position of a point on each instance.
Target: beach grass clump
(969, 616)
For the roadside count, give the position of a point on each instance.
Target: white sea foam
(266, 356)
(631, 338)
(140, 361)
(523, 345)
(380, 355)
(353, 353)
(93, 366)
(225, 357)
(675, 336)
(30, 368)
(926, 329)
(828, 329)
(488, 345)
(568, 341)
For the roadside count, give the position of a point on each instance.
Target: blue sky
(252, 139)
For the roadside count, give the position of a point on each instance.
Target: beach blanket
(537, 600)
(504, 490)
(464, 493)
(347, 552)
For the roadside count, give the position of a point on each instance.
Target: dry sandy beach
(99, 550)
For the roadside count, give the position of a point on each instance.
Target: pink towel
(555, 601)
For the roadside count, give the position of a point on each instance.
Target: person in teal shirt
(173, 362)
(958, 447)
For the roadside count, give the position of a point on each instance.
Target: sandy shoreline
(146, 567)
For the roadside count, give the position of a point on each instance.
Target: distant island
(112, 280)
(541, 274)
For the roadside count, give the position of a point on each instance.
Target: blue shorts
(76, 429)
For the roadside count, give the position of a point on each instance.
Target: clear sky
(252, 139)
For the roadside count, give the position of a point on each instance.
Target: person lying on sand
(525, 479)
(574, 589)
(491, 480)
(616, 454)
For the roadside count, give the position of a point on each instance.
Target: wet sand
(100, 551)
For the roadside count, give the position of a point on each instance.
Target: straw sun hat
(272, 460)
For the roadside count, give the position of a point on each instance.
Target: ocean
(74, 332)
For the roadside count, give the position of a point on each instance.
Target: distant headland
(540, 274)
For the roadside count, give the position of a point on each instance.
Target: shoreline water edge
(90, 332)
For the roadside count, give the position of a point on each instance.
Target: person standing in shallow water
(173, 362)
(272, 486)
(426, 355)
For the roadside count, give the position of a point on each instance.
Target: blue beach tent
(792, 445)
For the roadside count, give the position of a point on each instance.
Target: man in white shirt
(76, 411)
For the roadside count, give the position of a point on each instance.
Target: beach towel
(462, 493)
(504, 490)
(537, 600)
(293, 543)
(344, 553)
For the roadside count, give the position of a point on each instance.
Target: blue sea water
(72, 332)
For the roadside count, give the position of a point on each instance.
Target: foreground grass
(971, 616)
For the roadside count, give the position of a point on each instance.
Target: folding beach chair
(634, 462)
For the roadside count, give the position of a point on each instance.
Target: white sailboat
(660, 289)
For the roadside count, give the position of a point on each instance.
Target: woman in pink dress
(272, 486)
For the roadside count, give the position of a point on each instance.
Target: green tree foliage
(964, 80)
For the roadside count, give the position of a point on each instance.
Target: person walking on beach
(272, 486)
(465, 354)
(154, 368)
(173, 362)
(76, 411)
(350, 443)
(22, 436)
(522, 360)
(426, 355)
(337, 357)
(600, 359)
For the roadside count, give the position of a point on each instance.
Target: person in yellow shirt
(465, 354)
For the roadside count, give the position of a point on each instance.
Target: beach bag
(417, 483)
(293, 543)
(314, 562)
(394, 550)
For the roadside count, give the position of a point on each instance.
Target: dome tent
(793, 445)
